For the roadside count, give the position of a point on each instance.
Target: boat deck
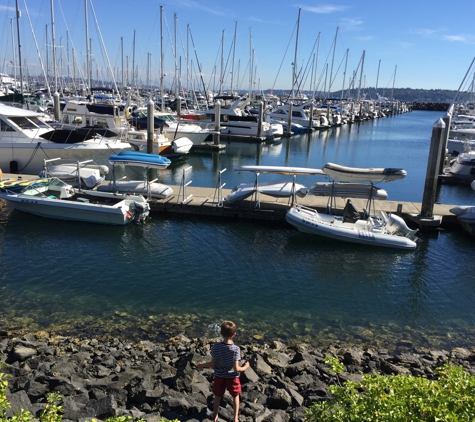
(203, 201)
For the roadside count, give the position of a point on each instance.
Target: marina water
(183, 275)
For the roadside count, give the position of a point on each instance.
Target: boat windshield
(43, 187)
(29, 122)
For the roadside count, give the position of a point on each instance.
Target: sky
(328, 45)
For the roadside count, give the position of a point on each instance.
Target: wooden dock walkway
(206, 202)
(202, 201)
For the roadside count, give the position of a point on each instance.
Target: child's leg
(217, 401)
(236, 408)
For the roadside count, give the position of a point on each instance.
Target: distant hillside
(407, 95)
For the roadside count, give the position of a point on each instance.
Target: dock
(209, 202)
(201, 201)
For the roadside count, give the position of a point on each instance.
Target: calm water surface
(184, 275)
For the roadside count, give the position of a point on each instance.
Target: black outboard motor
(141, 211)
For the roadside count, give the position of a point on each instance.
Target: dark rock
(278, 398)
(260, 366)
(104, 408)
(18, 401)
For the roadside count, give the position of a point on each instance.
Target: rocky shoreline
(146, 380)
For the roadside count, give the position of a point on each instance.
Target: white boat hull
(362, 231)
(276, 190)
(157, 190)
(348, 190)
(29, 156)
(358, 175)
(63, 202)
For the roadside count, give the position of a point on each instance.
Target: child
(225, 357)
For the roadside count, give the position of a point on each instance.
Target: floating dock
(199, 201)
(210, 202)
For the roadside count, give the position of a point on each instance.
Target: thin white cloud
(350, 24)
(191, 4)
(366, 38)
(7, 9)
(427, 32)
(323, 9)
(457, 38)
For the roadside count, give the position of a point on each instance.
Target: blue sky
(425, 44)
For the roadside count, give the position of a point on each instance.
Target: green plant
(449, 398)
(52, 410)
(4, 404)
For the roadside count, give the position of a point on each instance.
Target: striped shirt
(224, 356)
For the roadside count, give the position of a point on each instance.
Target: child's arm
(239, 368)
(206, 364)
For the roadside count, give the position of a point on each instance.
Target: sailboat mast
(251, 65)
(133, 61)
(394, 81)
(377, 76)
(13, 49)
(122, 60)
(331, 68)
(220, 90)
(361, 74)
(18, 15)
(234, 54)
(161, 59)
(295, 54)
(88, 59)
(54, 47)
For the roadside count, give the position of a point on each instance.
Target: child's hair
(228, 329)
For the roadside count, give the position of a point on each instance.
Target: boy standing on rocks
(225, 357)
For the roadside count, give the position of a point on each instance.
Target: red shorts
(232, 384)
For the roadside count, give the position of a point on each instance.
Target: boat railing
(184, 198)
(219, 190)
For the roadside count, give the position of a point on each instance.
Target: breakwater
(110, 377)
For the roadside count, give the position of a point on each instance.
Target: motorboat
(284, 189)
(23, 147)
(236, 120)
(300, 115)
(466, 216)
(357, 175)
(161, 144)
(173, 127)
(54, 198)
(90, 174)
(457, 146)
(462, 166)
(150, 188)
(140, 159)
(80, 118)
(386, 230)
(348, 190)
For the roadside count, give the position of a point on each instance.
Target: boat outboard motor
(141, 211)
(350, 213)
(396, 225)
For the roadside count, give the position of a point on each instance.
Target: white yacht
(26, 141)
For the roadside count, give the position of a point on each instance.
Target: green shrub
(448, 398)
